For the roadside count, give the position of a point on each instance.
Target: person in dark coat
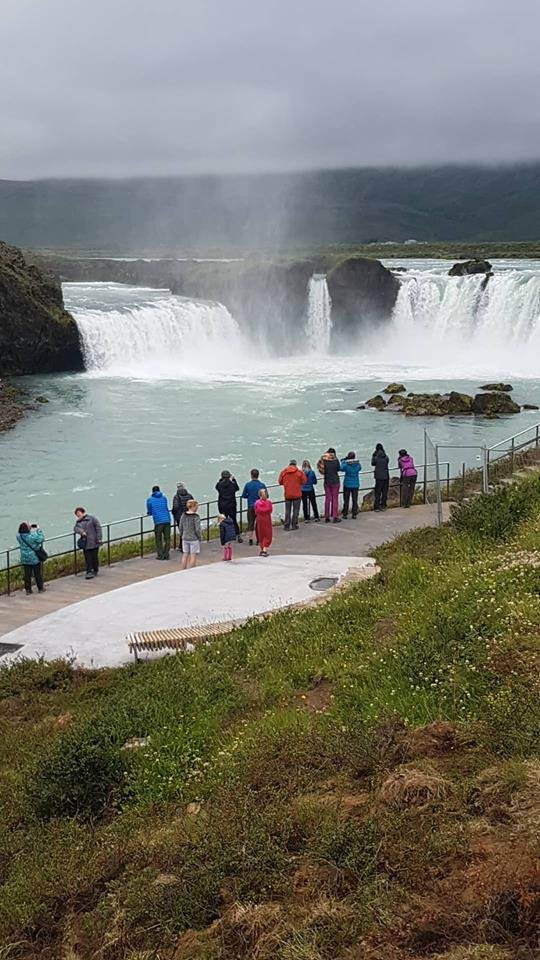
(227, 488)
(180, 500)
(88, 530)
(227, 535)
(381, 473)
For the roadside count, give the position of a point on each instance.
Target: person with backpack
(88, 530)
(157, 507)
(329, 466)
(408, 476)
(30, 539)
(351, 467)
(292, 480)
(308, 493)
(227, 535)
(381, 474)
(251, 493)
(180, 500)
(227, 488)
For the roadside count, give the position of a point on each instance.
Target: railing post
(108, 544)
(463, 481)
(537, 437)
(208, 521)
(512, 455)
(425, 466)
(8, 574)
(74, 554)
(448, 481)
(487, 465)
(485, 477)
(142, 535)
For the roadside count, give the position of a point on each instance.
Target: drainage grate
(9, 648)
(323, 583)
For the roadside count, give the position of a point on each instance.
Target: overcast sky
(125, 87)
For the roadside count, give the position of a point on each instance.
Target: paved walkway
(351, 538)
(93, 632)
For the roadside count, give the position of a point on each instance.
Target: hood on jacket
(157, 493)
(292, 468)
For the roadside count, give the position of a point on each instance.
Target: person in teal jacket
(351, 467)
(30, 539)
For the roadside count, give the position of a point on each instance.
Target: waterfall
(144, 333)
(319, 315)
(468, 321)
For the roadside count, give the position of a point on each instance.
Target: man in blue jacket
(251, 494)
(158, 508)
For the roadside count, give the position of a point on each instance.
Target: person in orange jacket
(292, 479)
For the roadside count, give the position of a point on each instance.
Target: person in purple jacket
(407, 471)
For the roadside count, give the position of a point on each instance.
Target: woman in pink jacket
(408, 475)
(263, 522)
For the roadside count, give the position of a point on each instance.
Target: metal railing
(509, 449)
(141, 530)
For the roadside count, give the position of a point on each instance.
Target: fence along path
(349, 538)
(135, 533)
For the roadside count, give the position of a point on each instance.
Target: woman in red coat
(263, 522)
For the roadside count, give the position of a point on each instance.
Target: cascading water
(147, 333)
(475, 324)
(319, 315)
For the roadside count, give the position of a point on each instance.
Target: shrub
(494, 516)
(79, 777)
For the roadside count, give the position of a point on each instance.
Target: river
(175, 391)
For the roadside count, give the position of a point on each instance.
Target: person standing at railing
(190, 531)
(30, 539)
(158, 508)
(251, 493)
(88, 530)
(292, 480)
(263, 522)
(329, 466)
(381, 474)
(308, 493)
(180, 500)
(227, 489)
(351, 467)
(227, 535)
(407, 477)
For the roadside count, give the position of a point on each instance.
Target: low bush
(494, 516)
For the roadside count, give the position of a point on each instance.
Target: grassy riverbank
(357, 780)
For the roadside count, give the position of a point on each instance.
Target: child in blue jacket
(227, 535)
(351, 484)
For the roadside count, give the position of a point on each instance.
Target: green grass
(284, 803)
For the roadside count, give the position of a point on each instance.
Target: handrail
(534, 426)
(139, 533)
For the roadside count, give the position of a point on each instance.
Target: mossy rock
(498, 387)
(376, 403)
(395, 388)
(492, 404)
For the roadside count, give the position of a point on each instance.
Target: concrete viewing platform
(90, 619)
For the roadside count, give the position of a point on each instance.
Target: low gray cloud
(124, 87)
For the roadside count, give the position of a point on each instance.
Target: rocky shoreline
(14, 404)
(494, 401)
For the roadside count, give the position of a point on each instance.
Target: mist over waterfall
(470, 322)
(149, 333)
(319, 315)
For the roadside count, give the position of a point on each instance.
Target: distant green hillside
(245, 213)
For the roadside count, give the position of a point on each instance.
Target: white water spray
(319, 316)
(467, 322)
(132, 332)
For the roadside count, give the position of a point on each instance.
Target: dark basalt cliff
(363, 291)
(36, 334)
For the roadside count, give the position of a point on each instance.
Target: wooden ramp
(177, 638)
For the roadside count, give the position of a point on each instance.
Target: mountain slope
(310, 209)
